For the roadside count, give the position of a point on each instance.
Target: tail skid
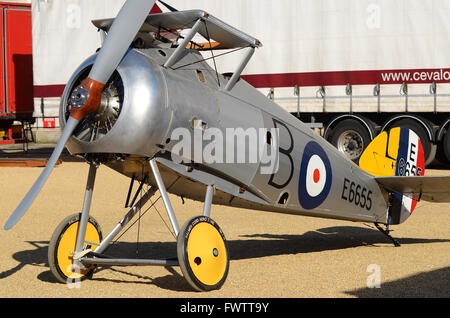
(386, 232)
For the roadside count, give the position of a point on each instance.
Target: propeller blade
(120, 35)
(37, 186)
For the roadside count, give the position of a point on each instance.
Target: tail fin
(398, 152)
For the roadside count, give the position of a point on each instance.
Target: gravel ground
(272, 255)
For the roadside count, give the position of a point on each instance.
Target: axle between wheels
(77, 244)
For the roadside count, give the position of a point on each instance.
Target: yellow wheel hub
(202, 254)
(67, 245)
(207, 254)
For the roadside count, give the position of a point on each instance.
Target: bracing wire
(212, 53)
(143, 213)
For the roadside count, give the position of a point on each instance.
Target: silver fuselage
(158, 100)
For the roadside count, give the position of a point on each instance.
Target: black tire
(208, 255)
(441, 153)
(58, 234)
(429, 149)
(446, 145)
(350, 137)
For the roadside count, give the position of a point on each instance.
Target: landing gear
(202, 254)
(62, 246)
(77, 245)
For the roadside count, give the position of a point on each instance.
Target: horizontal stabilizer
(428, 188)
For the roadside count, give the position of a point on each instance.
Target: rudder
(398, 152)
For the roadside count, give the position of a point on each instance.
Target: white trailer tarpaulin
(311, 36)
(63, 36)
(309, 43)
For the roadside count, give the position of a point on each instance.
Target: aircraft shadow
(41, 153)
(249, 247)
(331, 238)
(432, 284)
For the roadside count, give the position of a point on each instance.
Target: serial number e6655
(357, 194)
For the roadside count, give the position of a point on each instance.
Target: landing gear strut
(77, 244)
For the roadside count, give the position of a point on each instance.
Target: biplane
(127, 105)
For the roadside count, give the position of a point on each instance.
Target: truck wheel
(350, 137)
(442, 153)
(429, 149)
(446, 145)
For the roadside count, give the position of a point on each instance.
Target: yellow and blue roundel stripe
(410, 162)
(398, 152)
(315, 176)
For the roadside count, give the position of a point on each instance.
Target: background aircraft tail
(396, 155)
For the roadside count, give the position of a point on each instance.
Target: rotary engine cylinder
(133, 117)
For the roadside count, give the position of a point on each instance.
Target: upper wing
(428, 188)
(227, 36)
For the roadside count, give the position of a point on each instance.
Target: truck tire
(446, 145)
(350, 137)
(429, 148)
(442, 153)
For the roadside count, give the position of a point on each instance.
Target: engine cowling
(133, 117)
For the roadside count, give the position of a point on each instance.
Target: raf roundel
(315, 176)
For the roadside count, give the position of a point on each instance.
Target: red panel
(155, 9)
(364, 77)
(2, 70)
(48, 90)
(49, 122)
(19, 62)
(14, 4)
